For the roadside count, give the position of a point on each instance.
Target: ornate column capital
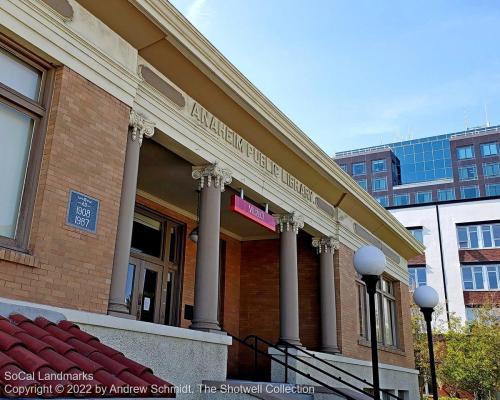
(325, 244)
(212, 172)
(289, 221)
(140, 126)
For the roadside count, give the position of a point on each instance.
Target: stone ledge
(19, 257)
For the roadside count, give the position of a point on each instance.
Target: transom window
(467, 173)
(491, 170)
(465, 152)
(446, 194)
(418, 276)
(481, 277)
(22, 113)
(401, 199)
(359, 168)
(379, 165)
(423, 197)
(385, 312)
(478, 236)
(379, 184)
(469, 192)
(489, 149)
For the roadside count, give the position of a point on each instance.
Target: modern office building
(153, 196)
(445, 189)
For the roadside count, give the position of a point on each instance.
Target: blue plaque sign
(83, 211)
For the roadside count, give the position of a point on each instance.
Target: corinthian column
(211, 181)
(288, 226)
(326, 247)
(139, 128)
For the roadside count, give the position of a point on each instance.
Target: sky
(360, 73)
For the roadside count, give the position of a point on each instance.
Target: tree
(469, 356)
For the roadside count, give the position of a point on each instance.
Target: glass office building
(421, 160)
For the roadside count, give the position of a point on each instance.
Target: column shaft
(139, 127)
(206, 295)
(328, 307)
(289, 288)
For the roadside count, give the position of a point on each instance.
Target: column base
(205, 326)
(330, 349)
(119, 310)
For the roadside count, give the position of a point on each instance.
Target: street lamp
(369, 262)
(427, 298)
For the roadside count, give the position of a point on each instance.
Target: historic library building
(154, 197)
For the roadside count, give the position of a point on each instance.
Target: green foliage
(468, 357)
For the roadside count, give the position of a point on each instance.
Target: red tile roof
(60, 360)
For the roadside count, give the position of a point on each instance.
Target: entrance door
(153, 280)
(146, 299)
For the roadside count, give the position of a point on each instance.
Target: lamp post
(427, 298)
(369, 262)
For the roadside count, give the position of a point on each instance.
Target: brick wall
(347, 318)
(260, 295)
(84, 150)
(490, 298)
(482, 255)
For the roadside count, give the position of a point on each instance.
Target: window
(344, 167)
(22, 116)
(489, 149)
(385, 312)
(481, 277)
(418, 276)
(383, 201)
(363, 183)
(469, 192)
(379, 184)
(478, 236)
(379, 166)
(491, 170)
(359, 168)
(493, 189)
(417, 233)
(467, 173)
(401, 199)
(465, 152)
(423, 197)
(446, 194)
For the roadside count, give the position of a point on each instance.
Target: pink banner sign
(253, 213)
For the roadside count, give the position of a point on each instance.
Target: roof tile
(47, 349)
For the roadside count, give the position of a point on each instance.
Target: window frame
(403, 195)
(380, 160)
(414, 274)
(380, 178)
(360, 181)
(482, 146)
(420, 193)
(364, 317)
(38, 111)
(480, 231)
(461, 168)
(489, 165)
(464, 147)
(484, 275)
(447, 190)
(354, 164)
(488, 187)
(462, 188)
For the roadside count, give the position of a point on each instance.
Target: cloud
(198, 14)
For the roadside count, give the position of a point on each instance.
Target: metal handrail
(287, 354)
(308, 376)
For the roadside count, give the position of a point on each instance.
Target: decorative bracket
(212, 172)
